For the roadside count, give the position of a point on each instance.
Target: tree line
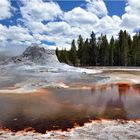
(93, 51)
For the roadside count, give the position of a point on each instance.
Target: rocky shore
(97, 130)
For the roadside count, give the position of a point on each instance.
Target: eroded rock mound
(35, 54)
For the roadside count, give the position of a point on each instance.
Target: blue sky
(115, 7)
(55, 23)
(112, 6)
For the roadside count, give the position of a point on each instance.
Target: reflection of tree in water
(115, 108)
(123, 88)
(136, 87)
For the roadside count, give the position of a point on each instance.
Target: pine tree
(80, 52)
(62, 56)
(123, 44)
(136, 50)
(111, 51)
(125, 49)
(117, 60)
(73, 54)
(130, 63)
(93, 50)
(104, 51)
(85, 54)
(57, 53)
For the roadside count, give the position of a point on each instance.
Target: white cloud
(14, 39)
(36, 26)
(5, 9)
(131, 21)
(79, 16)
(133, 7)
(37, 10)
(57, 28)
(97, 7)
(109, 25)
(17, 33)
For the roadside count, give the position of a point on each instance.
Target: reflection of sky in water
(63, 108)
